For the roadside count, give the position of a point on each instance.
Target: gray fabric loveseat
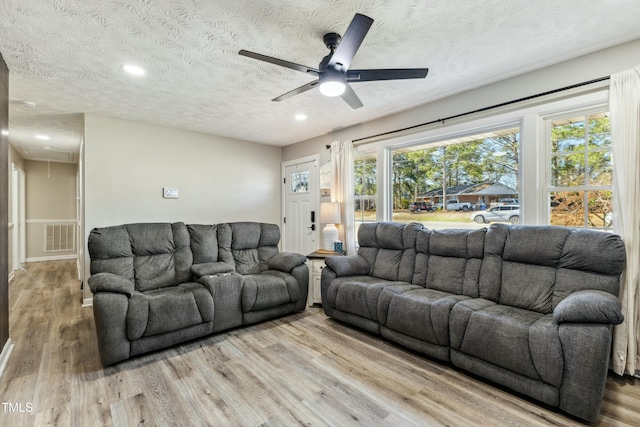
(158, 284)
(528, 307)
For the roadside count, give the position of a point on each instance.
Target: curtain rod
(480, 110)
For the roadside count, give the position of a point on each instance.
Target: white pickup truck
(456, 205)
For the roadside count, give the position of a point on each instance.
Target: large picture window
(458, 183)
(580, 171)
(545, 163)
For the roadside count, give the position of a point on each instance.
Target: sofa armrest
(589, 306)
(109, 282)
(211, 268)
(286, 261)
(348, 265)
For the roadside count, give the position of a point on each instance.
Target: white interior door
(301, 214)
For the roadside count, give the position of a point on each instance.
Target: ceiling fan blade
(280, 62)
(351, 98)
(386, 74)
(351, 41)
(297, 91)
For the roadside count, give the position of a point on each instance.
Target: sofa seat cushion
(418, 312)
(168, 309)
(263, 291)
(523, 341)
(358, 294)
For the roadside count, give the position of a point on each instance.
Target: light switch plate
(170, 193)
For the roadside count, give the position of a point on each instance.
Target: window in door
(300, 181)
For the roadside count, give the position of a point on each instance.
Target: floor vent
(60, 237)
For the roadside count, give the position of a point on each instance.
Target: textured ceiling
(66, 56)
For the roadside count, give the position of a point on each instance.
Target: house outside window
(579, 176)
(441, 184)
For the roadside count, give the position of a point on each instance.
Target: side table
(316, 264)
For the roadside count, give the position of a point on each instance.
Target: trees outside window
(435, 172)
(580, 171)
(366, 188)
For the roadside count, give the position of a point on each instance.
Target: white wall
(126, 164)
(585, 68)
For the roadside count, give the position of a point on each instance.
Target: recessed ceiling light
(43, 137)
(133, 69)
(5, 132)
(27, 104)
(301, 116)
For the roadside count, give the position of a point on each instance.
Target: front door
(301, 214)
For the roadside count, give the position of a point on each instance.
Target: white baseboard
(4, 356)
(87, 302)
(52, 258)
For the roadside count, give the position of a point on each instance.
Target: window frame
(362, 155)
(549, 188)
(473, 134)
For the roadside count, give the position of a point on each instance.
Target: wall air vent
(60, 237)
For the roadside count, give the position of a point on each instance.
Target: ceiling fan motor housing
(331, 40)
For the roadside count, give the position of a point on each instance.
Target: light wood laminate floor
(304, 369)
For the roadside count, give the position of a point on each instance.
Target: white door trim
(283, 209)
(22, 215)
(17, 202)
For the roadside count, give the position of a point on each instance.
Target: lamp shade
(330, 213)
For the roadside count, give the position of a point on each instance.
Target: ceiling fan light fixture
(332, 86)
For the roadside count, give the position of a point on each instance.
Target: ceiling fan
(333, 72)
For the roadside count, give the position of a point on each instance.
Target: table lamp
(330, 215)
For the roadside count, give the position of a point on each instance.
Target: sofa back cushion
(590, 260)
(248, 245)
(535, 267)
(204, 242)
(110, 251)
(449, 260)
(152, 255)
(389, 248)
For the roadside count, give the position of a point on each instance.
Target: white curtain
(624, 106)
(342, 191)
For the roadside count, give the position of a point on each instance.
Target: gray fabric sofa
(528, 307)
(158, 284)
